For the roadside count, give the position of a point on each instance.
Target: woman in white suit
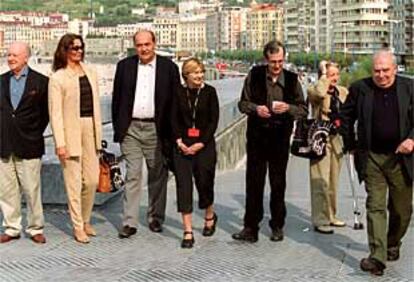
(75, 117)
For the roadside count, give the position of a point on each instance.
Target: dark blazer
(166, 82)
(206, 119)
(358, 106)
(21, 129)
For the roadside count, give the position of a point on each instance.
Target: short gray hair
(25, 45)
(384, 52)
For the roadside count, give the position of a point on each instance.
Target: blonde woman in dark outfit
(75, 117)
(195, 117)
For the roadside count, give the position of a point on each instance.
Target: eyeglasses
(76, 48)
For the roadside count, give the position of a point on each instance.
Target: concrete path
(303, 256)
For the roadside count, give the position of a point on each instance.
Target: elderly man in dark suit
(23, 119)
(144, 87)
(383, 107)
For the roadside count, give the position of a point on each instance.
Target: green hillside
(106, 11)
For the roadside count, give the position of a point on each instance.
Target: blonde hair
(330, 64)
(191, 65)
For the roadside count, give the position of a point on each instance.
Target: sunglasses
(76, 48)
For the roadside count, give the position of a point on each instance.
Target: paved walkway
(303, 256)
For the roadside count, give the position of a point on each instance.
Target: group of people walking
(172, 125)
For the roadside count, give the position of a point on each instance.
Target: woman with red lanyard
(195, 114)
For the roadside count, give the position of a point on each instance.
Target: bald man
(23, 119)
(144, 87)
(383, 107)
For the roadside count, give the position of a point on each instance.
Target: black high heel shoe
(209, 231)
(187, 243)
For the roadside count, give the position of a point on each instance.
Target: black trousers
(203, 167)
(267, 149)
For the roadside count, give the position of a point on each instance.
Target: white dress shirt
(145, 90)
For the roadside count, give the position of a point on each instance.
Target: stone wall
(231, 145)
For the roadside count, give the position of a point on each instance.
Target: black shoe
(247, 234)
(373, 266)
(393, 253)
(187, 243)
(209, 231)
(127, 231)
(277, 235)
(323, 229)
(155, 226)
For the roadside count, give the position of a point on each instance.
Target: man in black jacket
(23, 119)
(144, 87)
(383, 107)
(272, 98)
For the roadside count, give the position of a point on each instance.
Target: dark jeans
(202, 166)
(267, 149)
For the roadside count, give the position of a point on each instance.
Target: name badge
(193, 132)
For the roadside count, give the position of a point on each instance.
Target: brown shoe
(393, 253)
(155, 226)
(38, 239)
(127, 231)
(89, 230)
(80, 236)
(247, 234)
(4, 238)
(374, 266)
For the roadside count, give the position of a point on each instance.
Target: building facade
(360, 26)
(166, 29)
(264, 22)
(401, 26)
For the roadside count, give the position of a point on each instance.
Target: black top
(86, 99)
(358, 110)
(21, 129)
(385, 121)
(258, 90)
(335, 105)
(206, 114)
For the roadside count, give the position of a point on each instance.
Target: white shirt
(145, 90)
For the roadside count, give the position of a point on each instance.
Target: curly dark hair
(60, 59)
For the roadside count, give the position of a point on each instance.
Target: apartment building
(357, 26)
(80, 26)
(264, 22)
(401, 26)
(224, 28)
(360, 26)
(166, 29)
(192, 35)
(103, 31)
(324, 26)
(33, 18)
(301, 25)
(291, 25)
(33, 35)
